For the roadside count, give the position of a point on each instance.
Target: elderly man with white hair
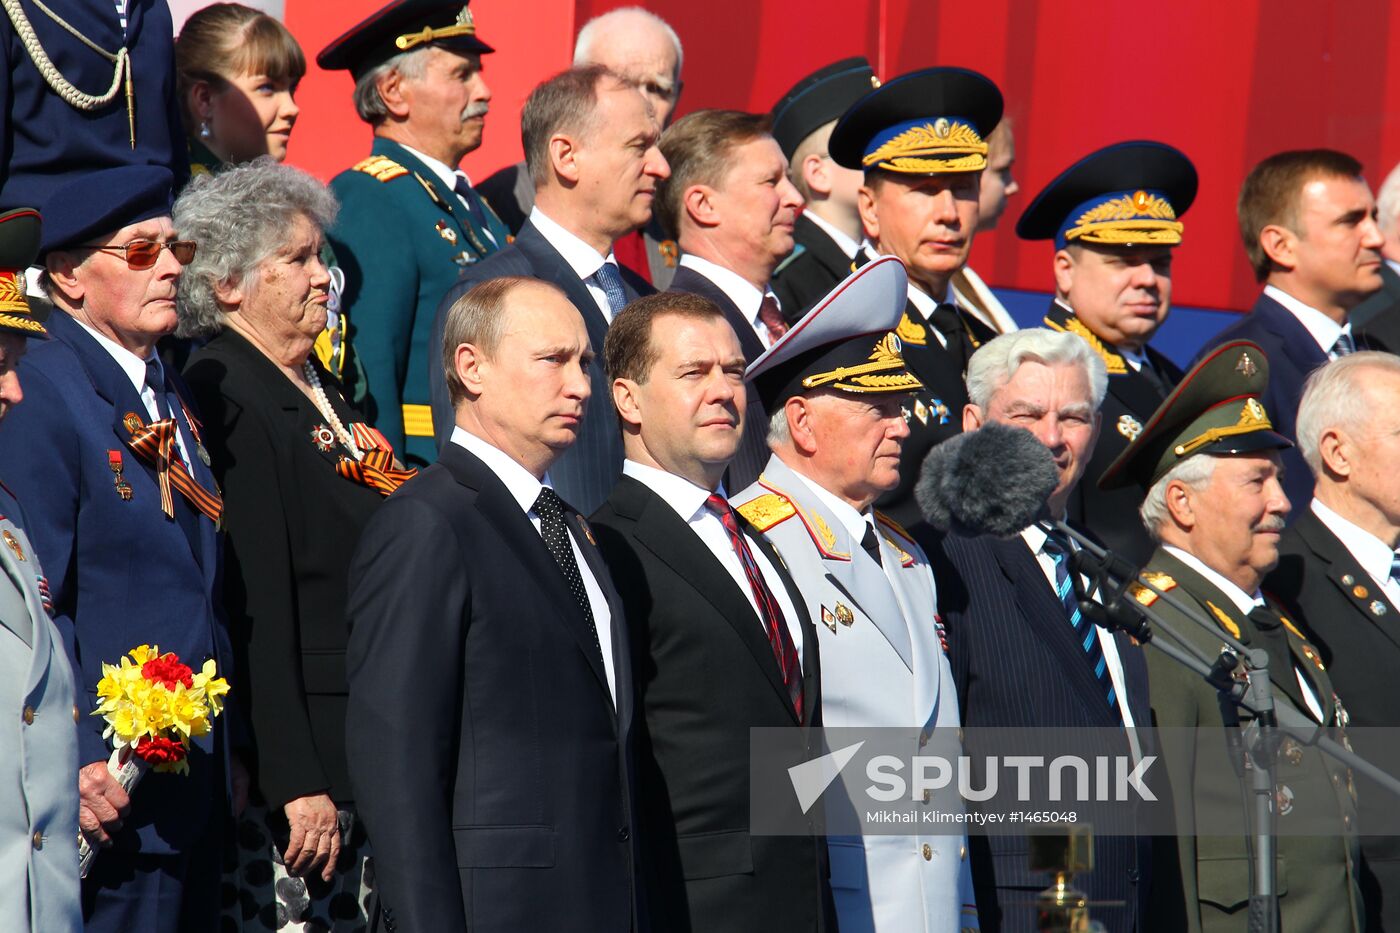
(1210, 461)
(1022, 654)
(642, 47)
(1379, 315)
(1338, 572)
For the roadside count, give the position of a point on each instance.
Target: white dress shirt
(525, 489)
(739, 290)
(688, 500)
(582, 258)
(135, 369)
(1244, 603)
(854, 522)
(1323, 329)
(1035, 537)
(844, 243)
(1373, 554)
(448, 176)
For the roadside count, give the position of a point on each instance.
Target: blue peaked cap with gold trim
(1128, 194)
(928, 122)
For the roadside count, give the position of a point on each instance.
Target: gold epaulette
(1114, 363)
(767, 510)
(1225, 621)
(381, 167)
(1142, 594)
(911, 331)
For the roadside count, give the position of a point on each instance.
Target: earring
(204, 131)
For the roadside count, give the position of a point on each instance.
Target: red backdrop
(1228, 83)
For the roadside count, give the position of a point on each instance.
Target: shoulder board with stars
(1142, 594)
(767, 510)
(381, 168)
(1225, 621)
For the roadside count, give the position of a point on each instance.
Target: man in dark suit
(706, 597)
(828, 231)
(921, 141)
(1208, 462)
(1021, 656)
(732, 208)
(1114, 217)
(1378, 316)
(482, 615)
(1336, 575)
(643, 47)
(128, 535)
(590, 140)
(1309, 227)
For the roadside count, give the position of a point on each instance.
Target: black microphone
(1110, 576)
(992, 481)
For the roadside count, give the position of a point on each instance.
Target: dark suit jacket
(1352, 623)
(753, 447)
(1293, 354)
(705, 676)
(586, 471)
(292, 524)
(121, 573)
(490, 767)
(1129, 404)
(1018, 664)
(815, 267)
(1378, 317)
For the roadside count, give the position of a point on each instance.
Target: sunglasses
(142, 254)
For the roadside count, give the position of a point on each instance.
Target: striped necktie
(1344, 345)
(1059, 551)
(610, 281)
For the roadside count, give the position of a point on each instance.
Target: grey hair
(996, 361)
(1388, 203)
(1194, 472)
(583, 45)
(368, 104)
(779, 434)
(239, 217)
(1329, 400)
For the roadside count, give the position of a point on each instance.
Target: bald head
(640, 46)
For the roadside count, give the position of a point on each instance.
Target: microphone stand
(1260, 741)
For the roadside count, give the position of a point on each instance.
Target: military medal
(446, 232)
(1129, 427)
(132, 421)
(828, 619)
(669, 251)
(1377, 607)
(323, 438)
(12, 543)
(1245, 366)
(114, 463)
(202, 453)
(1284, 796)
(921, 411)
(941, 410)
(844, 615)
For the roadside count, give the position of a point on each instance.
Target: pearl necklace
(323, 405)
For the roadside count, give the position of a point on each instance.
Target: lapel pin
(828, 619)
(12, 543)
(1360, 592)
(1377, 607)
(1348, 579)
(132, 421)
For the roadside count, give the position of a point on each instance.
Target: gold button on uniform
(962, 853)
(29, 715)
(928, 852)
(38, 839)
(76, 714)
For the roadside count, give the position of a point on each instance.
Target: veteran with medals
(301, 475)
(1209, 460)
(921, 141)
(410, 221)
(1114, 217)
(836, 387)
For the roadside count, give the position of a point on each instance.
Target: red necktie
(772, 317)
(784, 652)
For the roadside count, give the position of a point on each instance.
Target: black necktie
(872, 544)
(948, 322)
(155, 378)
(555, 531)
(1154, 378)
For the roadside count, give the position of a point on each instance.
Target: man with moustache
(733, 210)
(706, 597)
(642, 47)
(124, 512)
(1115, 219)
(409, 220)
(1023, 655)
(1209, 462)
(591, 143)
(836, 388)
(489, 721)
(827, 232)
(1309, 227)
(921, 141)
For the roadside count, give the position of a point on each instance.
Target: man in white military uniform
(38, 737)
(835, 386)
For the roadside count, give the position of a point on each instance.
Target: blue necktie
(155, 378)
(610, 281)
(1345, 345)
(1083, 629)
(1395, 567)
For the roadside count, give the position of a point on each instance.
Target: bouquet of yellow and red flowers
(154, 704)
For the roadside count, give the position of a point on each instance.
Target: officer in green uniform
(410, 220)
(1209, 458)
(1115, 220)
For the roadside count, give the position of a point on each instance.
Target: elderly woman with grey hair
(301, 475)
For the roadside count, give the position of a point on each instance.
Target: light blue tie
(610, 281)
(1059, 551)
(1345, 345)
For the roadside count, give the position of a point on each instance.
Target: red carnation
(159, 750)
(168, 670)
